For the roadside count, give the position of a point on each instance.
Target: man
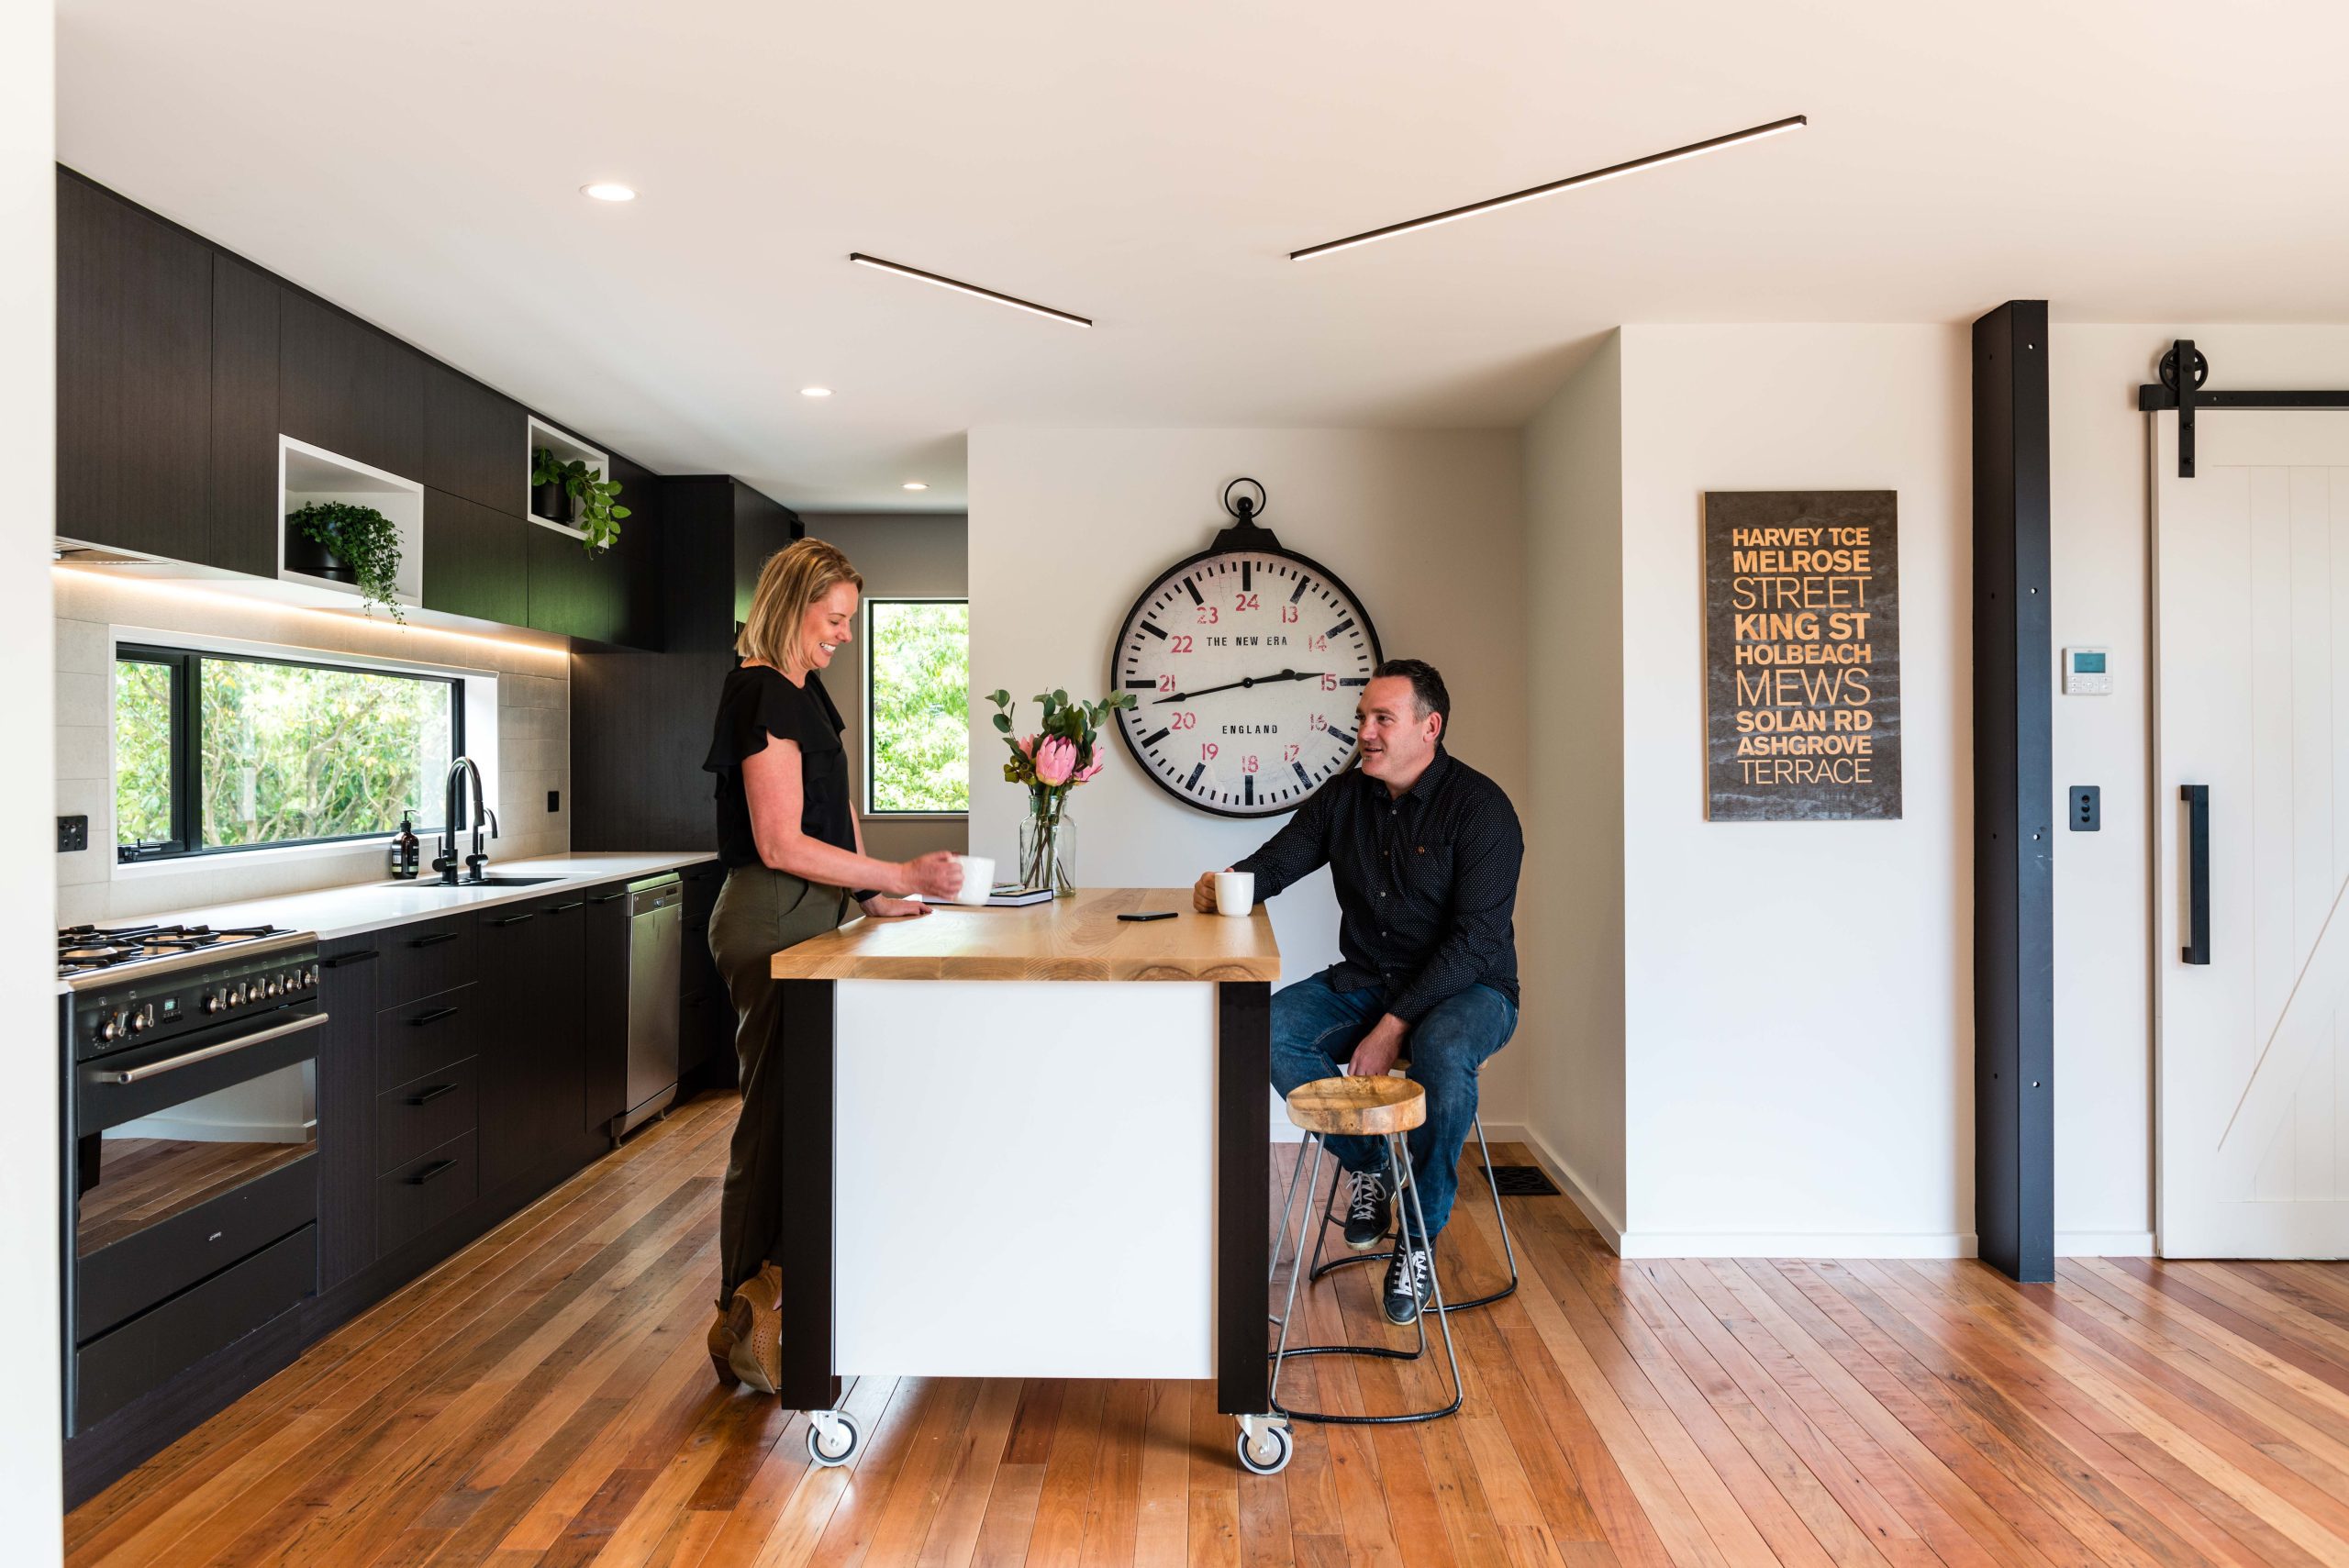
(1424, 852)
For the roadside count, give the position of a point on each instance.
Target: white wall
(525, 752)
(1067, 526)
(1798, 1027)
(2102, 580)
(1570, 924)
(31, 1456)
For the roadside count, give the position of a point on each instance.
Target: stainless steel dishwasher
(654, 913)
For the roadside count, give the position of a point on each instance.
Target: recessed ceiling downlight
(914, 484)
(609, 191)
(815, 392)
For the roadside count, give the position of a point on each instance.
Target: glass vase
(1046, 854)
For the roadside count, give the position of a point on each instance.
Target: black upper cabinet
(345, 386)
(475, 560)
(475, 442)
(607, 596)
(636, 554)
(244, 522)
(134, 375)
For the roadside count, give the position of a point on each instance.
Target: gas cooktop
(86, 950)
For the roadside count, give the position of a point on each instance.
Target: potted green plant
(550, 498)
(347, 544)
(596, 510)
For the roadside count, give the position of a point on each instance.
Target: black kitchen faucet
(445, 863)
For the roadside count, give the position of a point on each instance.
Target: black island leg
(1243, 1194)
(804, 1249)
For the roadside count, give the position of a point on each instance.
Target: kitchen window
(217, 751)
(917, 707)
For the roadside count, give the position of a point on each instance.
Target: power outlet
(554, 800)
(73, 833)
(2088, 808)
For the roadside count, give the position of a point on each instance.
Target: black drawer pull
(434, 940)
(559, 908)
(609, 897)
(432, 1093)
(361, 957)
(430, 1172)
(434, 1016)
(516, 920)
(701, 874)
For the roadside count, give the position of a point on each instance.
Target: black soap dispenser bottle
(407, 851)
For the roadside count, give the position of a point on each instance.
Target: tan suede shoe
(721, 1351)
(755, 1319)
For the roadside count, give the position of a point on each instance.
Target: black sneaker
(1368, 1211)
(1410, 1282)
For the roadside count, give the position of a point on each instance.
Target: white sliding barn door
(2251, 638)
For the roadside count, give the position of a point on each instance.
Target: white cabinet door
(2251, 639)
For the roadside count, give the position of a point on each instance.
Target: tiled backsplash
(532, 750)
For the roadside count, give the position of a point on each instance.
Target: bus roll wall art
(1802, 655)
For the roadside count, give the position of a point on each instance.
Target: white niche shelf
(567, 448)
(307, 473)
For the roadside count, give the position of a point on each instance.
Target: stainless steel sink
(495, 879)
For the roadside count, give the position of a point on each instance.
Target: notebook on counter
(1011, 895)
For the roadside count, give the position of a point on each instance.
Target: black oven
(190, 1177)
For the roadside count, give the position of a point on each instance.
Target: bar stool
(1330, 1216)
(1362, 1108)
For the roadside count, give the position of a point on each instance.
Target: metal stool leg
(1509, 1248)
(1406, 1188)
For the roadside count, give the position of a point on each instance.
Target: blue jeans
(1315, 1029)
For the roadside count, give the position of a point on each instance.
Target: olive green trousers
(760, 912)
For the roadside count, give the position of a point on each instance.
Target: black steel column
(804, 1036)
(2014, 866)
(1243, 1194)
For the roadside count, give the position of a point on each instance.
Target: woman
(788, 837)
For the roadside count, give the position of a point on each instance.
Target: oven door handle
(173, 1063)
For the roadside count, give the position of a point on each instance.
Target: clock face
(1245, 666)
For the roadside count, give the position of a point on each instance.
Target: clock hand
(1249, 681)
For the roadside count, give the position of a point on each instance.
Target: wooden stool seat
(1353, 1106)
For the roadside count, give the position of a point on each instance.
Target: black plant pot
(551, 501)
(305, 554)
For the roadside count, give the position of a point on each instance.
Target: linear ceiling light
(1615, 171)
(861, 260)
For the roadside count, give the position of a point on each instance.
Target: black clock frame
(1243, 534)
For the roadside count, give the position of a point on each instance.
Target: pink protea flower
(1055, 760)
(1027, 747)
(1087, 771)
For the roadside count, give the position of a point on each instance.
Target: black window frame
(187, 748)
(871, 731)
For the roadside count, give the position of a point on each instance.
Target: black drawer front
(421, 1116)
(425, 1035)
(111, 1371)
(428, 1189)
(702, 883)
(117, 1283)
(424, 958)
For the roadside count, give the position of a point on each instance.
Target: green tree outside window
(917, 705)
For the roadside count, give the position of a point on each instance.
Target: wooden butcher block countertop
(1078, 937)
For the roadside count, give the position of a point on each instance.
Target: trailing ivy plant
(595, 502)
(365, 541)
(544, 467)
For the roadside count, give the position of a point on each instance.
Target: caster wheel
(1269, 1453)
(841, 1446)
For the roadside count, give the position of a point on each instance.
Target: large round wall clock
(1245, 662)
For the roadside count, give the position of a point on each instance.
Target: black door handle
(2197, 873)
(607, 898)
(434, 1016)
(435, 1168)
(432, 1093)
(360, 957)
(559, 908)
(433, 941)
(516, 920)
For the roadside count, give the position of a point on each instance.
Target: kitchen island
(1027, 1142)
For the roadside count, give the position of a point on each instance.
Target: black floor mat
(1522, 1181)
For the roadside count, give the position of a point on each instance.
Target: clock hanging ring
(1245, 662)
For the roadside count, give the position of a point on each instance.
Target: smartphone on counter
(1140, 915)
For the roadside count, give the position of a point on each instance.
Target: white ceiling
(1152, 165)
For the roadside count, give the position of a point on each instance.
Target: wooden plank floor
(543, 1398)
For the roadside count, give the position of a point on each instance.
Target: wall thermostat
(2086, 673)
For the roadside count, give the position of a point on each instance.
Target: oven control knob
(310, 975)
(139, 1020)
(214, 1001)
(236, 996)
(110, 1027)
(273, 987)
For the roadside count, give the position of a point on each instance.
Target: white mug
(978, 879)
(1235, 893)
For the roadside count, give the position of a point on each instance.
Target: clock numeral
(1208, 750)
(1329, 681)
(1246, 602)
(1166, 683)
(1288, 614)
(1184, 721)
(1207, 615)
(1317, 722)
(1318, 644)
(1248, 763)
(1181, 643)
(1288, 754)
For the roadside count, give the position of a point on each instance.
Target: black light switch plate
(73, 833)
(554, 800)
(2088, 808)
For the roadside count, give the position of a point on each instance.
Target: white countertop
(372, 905)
